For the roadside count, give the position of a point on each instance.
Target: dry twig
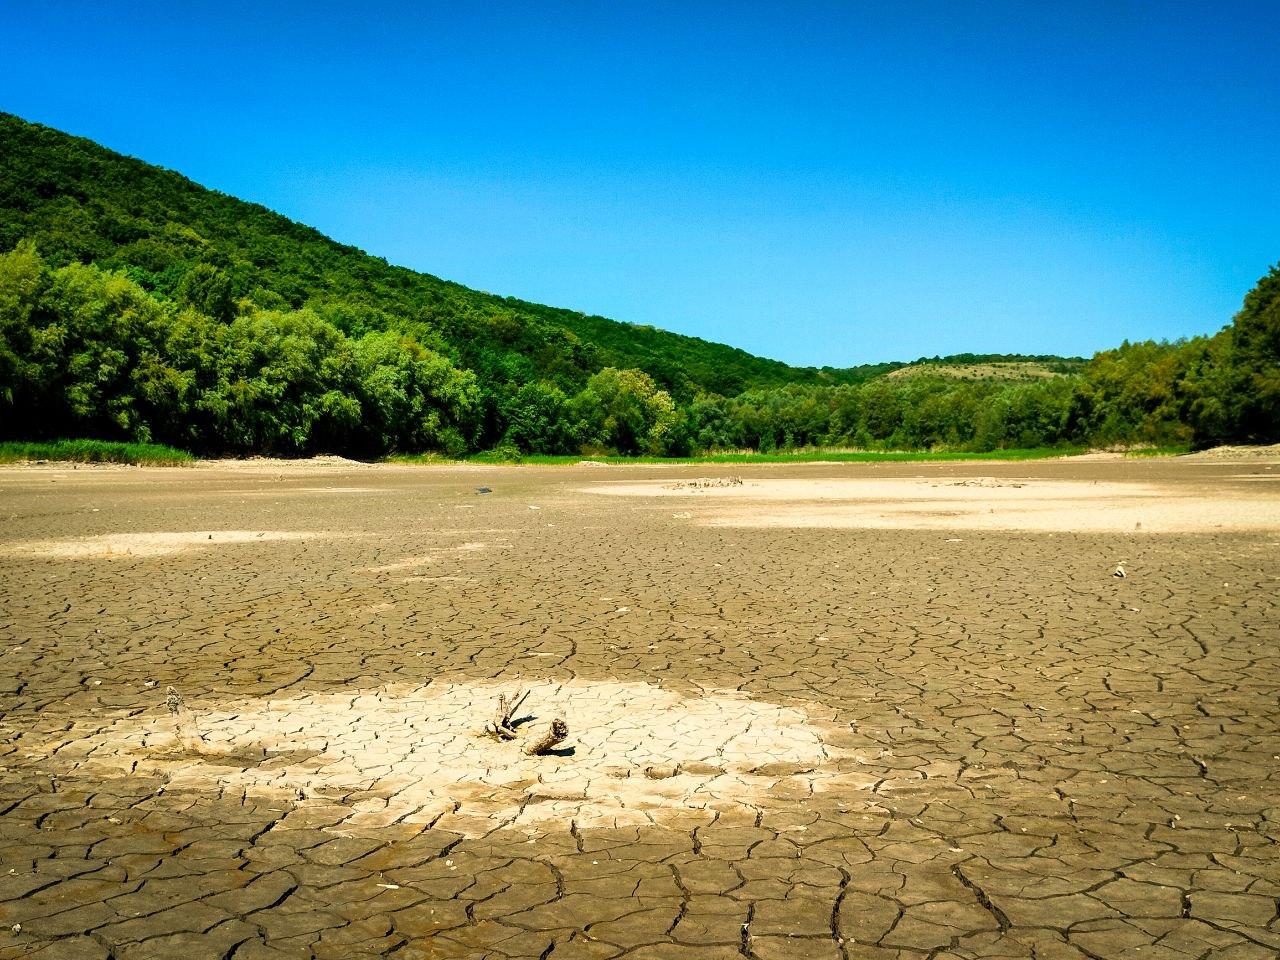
(188, 731)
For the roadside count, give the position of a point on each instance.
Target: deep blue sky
(822, 183)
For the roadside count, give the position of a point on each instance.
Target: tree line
(89, 352)
(137, 305)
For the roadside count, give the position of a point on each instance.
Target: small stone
(662, 771)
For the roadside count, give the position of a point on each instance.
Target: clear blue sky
(821, 183)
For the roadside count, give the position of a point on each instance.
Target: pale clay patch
(943, 503)
(125, 545)
(636, 752)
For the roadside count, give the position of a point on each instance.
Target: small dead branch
(555, 734)
(500, 726)
(184, 721)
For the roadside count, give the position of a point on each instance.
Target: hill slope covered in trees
(135, 304)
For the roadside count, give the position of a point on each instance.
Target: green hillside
(138, 306)
(80, 202)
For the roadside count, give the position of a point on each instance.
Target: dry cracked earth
(889, 712)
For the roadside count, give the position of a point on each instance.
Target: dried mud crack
(794, 731)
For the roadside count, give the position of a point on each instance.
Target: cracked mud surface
(955, 737)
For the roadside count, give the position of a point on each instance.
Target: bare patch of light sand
(979, 503)
(125, 545)
(298, 464)
(636, 753)
(289, 491)
(1269, 452)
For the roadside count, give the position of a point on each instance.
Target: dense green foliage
(93, 451)
(84, 351)
(137, 306)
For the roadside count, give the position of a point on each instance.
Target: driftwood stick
(515, 704)
(500, 726)
(555, 734)
(184, 722)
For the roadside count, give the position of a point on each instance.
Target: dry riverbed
(832, 711)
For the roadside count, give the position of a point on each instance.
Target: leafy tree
(625, 410)
(881, 410)
(21, 277)
(539, 420)
(412, 397)
(208, 289)
(706, 423)
(1254, 350)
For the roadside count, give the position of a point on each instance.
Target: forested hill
(78, 201)
(137, 305)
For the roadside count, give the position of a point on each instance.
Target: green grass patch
(93, 451)
(795, 456)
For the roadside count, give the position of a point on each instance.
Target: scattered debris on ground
(985, 483)
(705, 483)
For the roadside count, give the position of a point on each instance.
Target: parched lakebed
(832, 711)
